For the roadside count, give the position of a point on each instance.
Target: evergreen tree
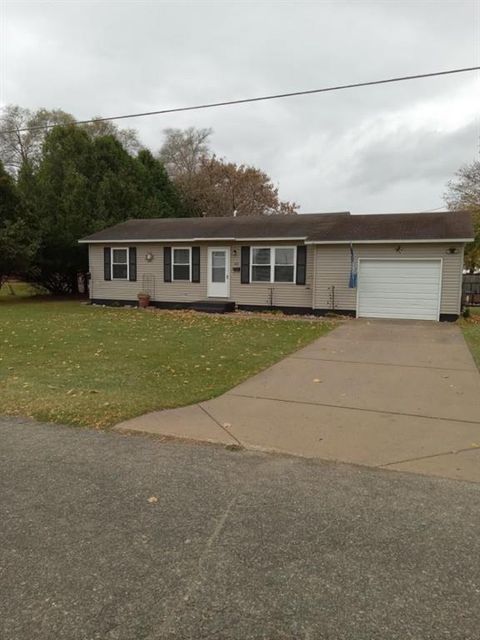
(16, 245)
(83, 184)
(162, 199)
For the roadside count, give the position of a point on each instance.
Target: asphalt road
(237, 545)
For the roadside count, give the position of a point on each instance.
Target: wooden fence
(471, 289)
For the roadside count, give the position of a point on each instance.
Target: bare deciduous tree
(127, 137)
(464, 193)
(183, 150)
(18, 148)
(21, 147)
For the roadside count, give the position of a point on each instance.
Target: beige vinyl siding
(333, 269)
(150, 278)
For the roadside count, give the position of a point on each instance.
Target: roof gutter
(398, 241)
(164, 240)
(260, 239)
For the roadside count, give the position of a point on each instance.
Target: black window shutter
(195, 264)
(132, 264)
(245, 272)
(107, 263)
(301, 264)
(167, 264)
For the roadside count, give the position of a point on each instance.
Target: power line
(276, 96)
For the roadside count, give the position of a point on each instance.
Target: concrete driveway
(394, 394)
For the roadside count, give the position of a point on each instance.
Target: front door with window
(218, 272)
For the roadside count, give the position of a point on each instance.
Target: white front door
(218, 272)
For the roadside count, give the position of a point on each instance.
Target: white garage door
(407, 289)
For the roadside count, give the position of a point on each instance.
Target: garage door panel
(400, 308)
(403, 288)
(403, 276)
(391, 265)
(398, 304)
(397, 295)
(399, 316)
(406, 289)
(420, 277)
(400, 291)
(394, 270)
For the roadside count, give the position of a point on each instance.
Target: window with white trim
(261, 265)
(284, 264)
(182, 264)
(272, 264)
(120, 264)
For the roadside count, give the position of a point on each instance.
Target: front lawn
(14, 290)
(471, 332)
(77, 364)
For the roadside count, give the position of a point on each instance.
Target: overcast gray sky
(385, 148)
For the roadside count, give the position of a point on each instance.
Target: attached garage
(399, 288)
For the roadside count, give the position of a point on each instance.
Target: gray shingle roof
(314, 227)
(446, 225)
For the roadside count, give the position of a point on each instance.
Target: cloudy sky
(385, 148)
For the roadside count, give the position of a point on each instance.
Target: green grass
(471, 332)
(12, 290)
(76, 364)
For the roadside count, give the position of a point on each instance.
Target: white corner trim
(460, 287)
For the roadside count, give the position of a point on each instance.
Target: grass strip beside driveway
(91, 366)
(471, 332)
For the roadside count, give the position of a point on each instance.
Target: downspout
(460, 295)
(90, 280)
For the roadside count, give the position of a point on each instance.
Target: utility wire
(226, 103)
